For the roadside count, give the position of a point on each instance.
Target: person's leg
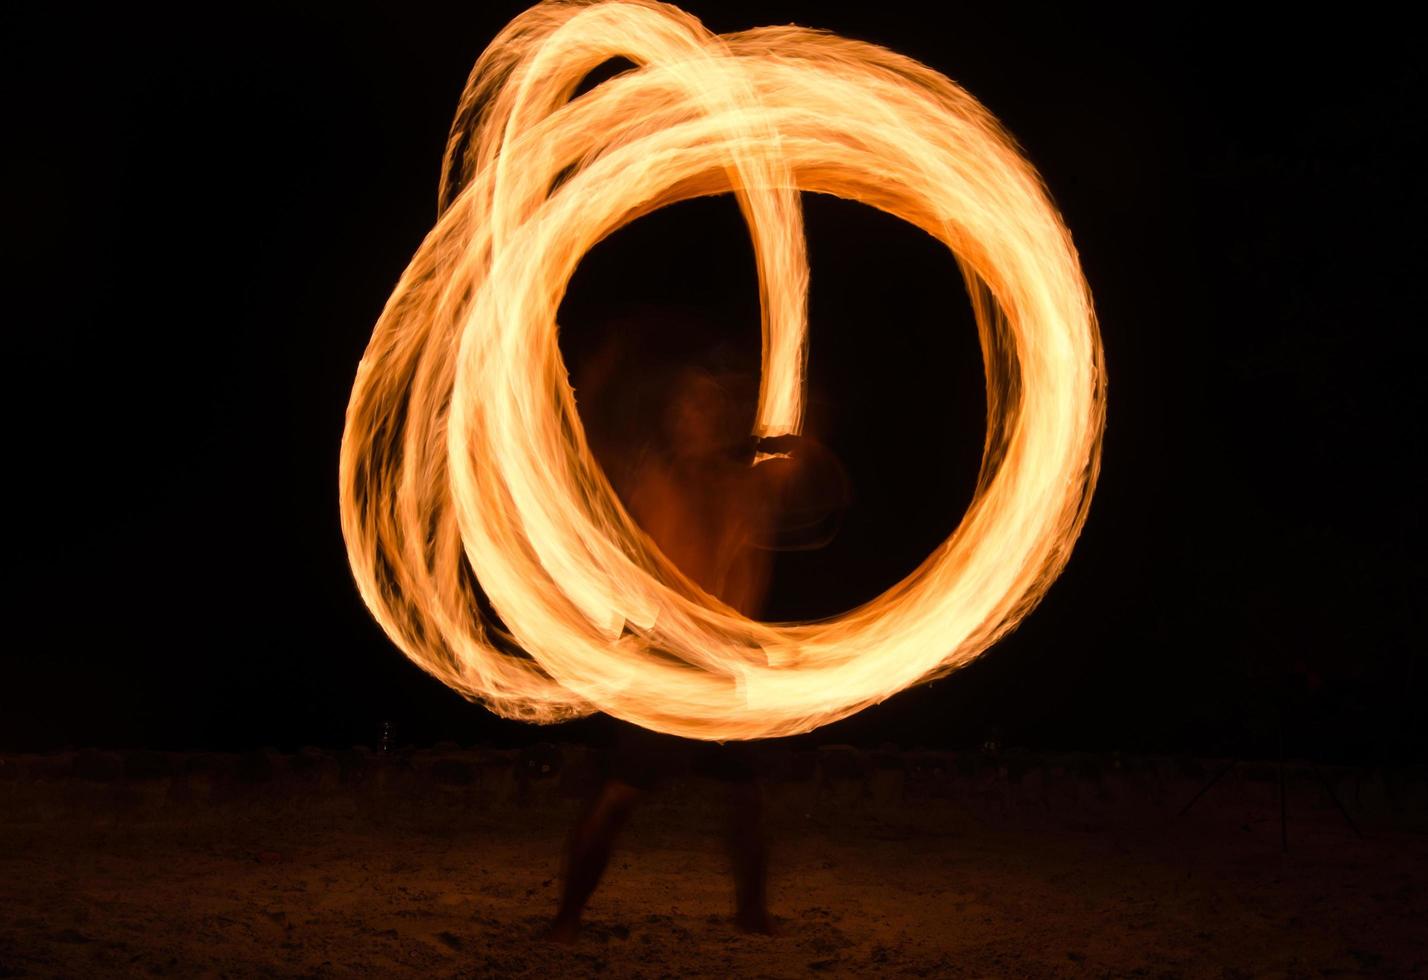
(588, 852)
(749, 851)
(735, 764)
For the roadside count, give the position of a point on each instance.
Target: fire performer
(717, 504)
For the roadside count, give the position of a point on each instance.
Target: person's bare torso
(705, 513)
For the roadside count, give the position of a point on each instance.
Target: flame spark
(483, 535)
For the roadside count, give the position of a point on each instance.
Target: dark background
(205, 217)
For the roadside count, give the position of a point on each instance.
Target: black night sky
(205, 216)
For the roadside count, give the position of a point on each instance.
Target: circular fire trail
(482, 533)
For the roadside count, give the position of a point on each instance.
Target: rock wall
(833, 780)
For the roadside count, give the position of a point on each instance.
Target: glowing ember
(463, 450)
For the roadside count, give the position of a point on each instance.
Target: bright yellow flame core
(463, 450)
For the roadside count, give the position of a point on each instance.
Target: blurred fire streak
(483, 535)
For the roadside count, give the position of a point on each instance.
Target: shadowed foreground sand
(945, 893)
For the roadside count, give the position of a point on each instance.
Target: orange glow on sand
(465, 472)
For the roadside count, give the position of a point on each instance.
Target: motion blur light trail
(482, 533)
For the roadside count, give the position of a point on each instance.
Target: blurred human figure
(715, 512)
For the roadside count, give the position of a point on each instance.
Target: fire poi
(482, 533)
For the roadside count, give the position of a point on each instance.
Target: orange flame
(483, 535)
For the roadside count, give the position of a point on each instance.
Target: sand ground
(930, 894)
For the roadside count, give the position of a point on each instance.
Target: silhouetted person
(714, 513)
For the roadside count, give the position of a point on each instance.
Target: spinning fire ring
(483, 535)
